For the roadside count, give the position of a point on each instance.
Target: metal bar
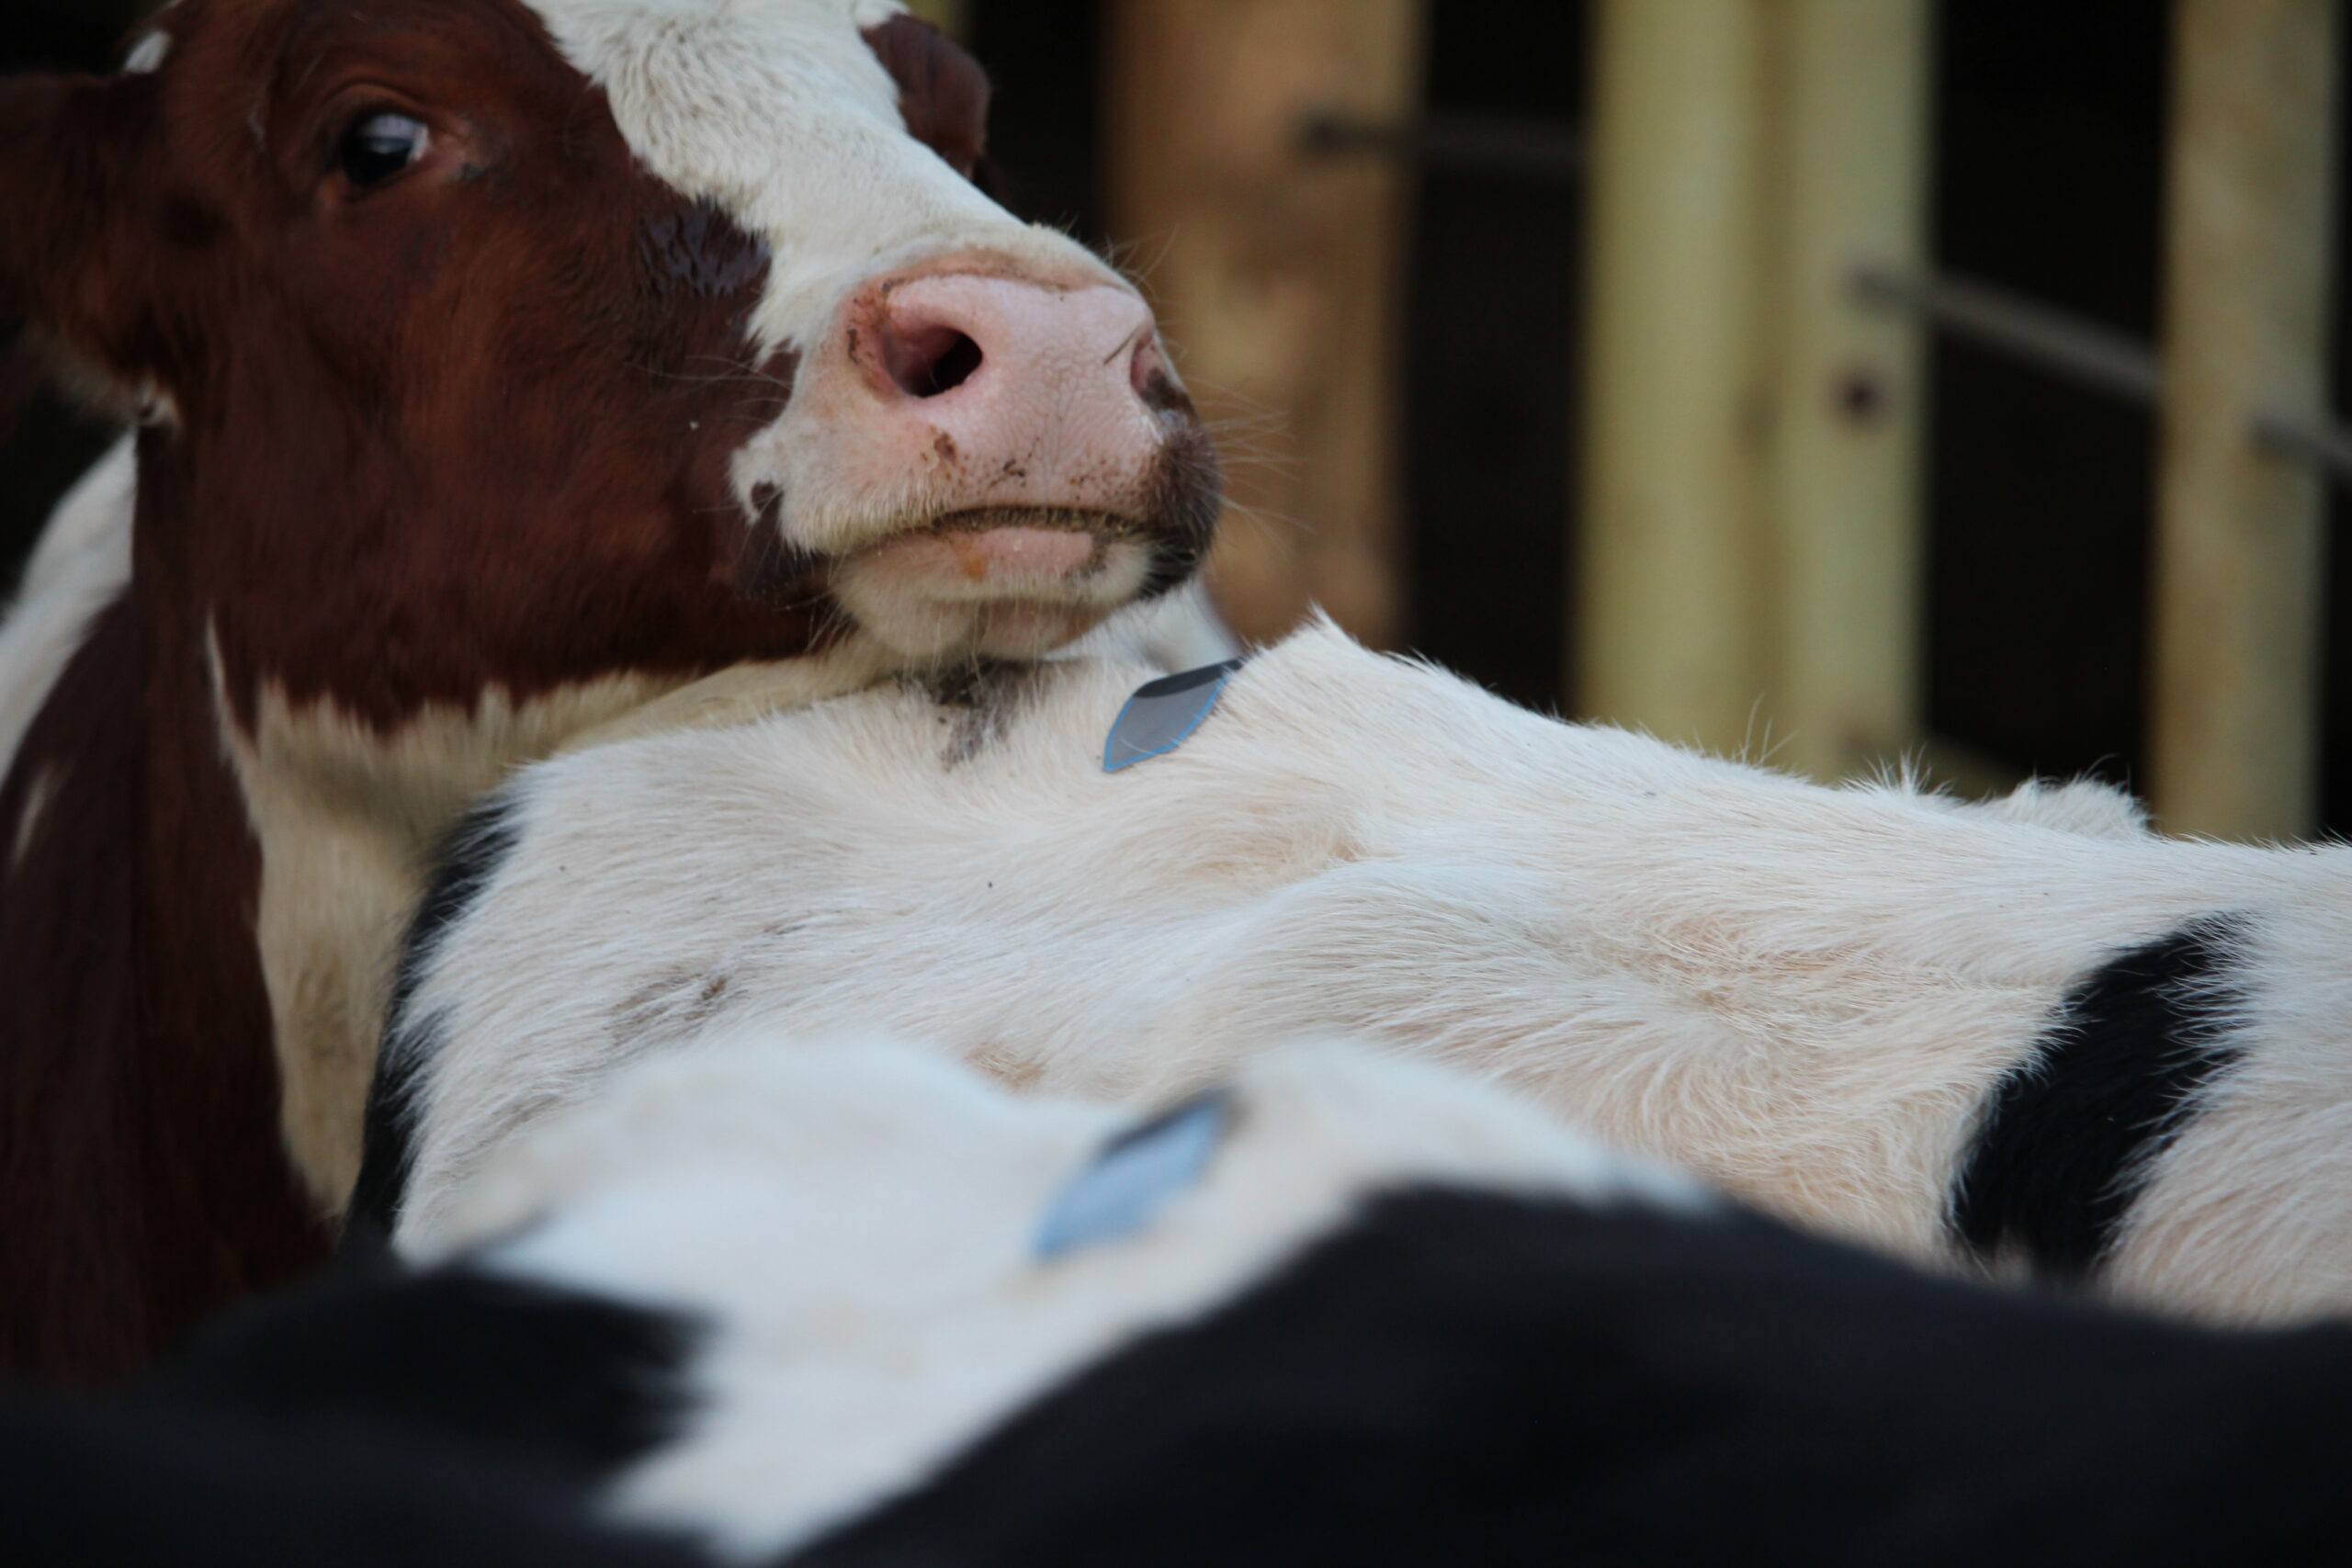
(2081, 352)
(2298, 440)
(1530, 149)
(2066, 346)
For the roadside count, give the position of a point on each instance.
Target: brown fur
(142, 1178)
(466, 432)
(942, 92)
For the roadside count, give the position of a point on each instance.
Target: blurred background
(1835, 381)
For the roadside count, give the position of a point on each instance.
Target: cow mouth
(1005, 551)
(1005, 581)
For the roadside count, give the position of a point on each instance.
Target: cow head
(491, 344)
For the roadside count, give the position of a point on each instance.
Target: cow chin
(1001, 583)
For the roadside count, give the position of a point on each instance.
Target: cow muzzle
(993, 457)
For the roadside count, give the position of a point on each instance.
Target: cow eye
(381, 146)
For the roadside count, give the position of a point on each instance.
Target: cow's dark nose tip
(926, 361)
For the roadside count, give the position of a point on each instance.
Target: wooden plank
(1666, 635)
(2238, 583)
(1277, 276)
(1848, 188)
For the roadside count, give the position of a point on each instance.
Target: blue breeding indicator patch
(1162, 715)
(1140, 1173)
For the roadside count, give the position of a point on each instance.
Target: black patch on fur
(1467, 1377)
(375, 1417)
(388, 1132)
(2065, 1142)
(471, 856)
(1187, 501)
(90, 1486)
(981, 699)
(701, 249)
(562, 1386)
(772, 571)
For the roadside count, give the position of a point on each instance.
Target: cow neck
(132, 1004)
(345, 768)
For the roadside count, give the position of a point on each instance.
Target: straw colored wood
(1278, 276)
(1666, 634)
(1849, 106)
(2238, 590)
(953, 17)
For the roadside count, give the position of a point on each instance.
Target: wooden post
(1666, 634)
(1277, 275)
(1849, 107)
(953, 17)
(2237, 615)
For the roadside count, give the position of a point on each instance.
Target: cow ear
(942, 92)
(66, 176)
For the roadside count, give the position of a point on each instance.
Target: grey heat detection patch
(1163, 714)
(1139, 1174)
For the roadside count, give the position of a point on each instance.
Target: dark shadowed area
(44, 443)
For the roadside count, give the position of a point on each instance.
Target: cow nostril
(953, 367)
(932, 360)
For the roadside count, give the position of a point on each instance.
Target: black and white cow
(849, 1305)
(2031, 1035)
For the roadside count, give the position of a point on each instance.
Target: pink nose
(1040, 394)
(937, 335)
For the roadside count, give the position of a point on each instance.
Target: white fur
(857, 1224)
(1179, 630)
(2077, 806)
(778, 112)
(1805, 992)
(39, 794)
(348, 818)
(147, 56)
(81, 565)
(707, 91)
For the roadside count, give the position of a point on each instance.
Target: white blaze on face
(780, 114)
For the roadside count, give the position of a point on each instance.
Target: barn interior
(1465, 486)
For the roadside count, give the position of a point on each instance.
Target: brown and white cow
(501, 367)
